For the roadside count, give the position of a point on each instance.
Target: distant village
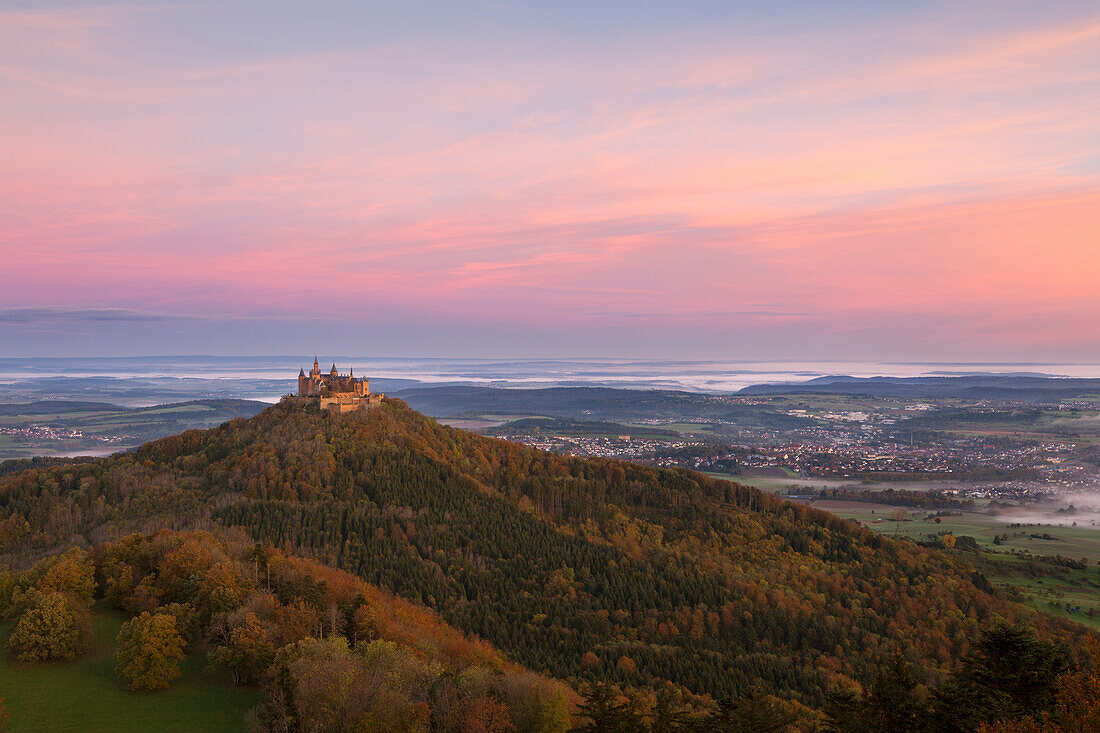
(857, 446)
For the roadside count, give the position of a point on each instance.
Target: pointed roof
(301, 372)
(351, 372)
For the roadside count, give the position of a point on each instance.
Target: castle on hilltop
(336, 392)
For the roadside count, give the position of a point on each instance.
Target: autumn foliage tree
(246, 651)
(53, 627)
(150, 649)
(49, 606)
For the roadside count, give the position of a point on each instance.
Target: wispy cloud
(939, 164)
(77, 315)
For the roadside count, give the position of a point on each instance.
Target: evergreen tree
(1009, 674)
(607, 713)
(754, 712)
(894, 704)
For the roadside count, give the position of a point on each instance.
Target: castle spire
(301, 372)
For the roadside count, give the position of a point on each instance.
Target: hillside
(55, 407)
(588, 569)
(185, 632)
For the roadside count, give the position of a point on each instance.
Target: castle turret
(334, 372)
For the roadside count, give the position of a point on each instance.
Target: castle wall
(341, 403)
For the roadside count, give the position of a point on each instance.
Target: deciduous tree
(149, 651)
(53, 627)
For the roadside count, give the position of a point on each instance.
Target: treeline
(330, 652)
(1011, 681)
(593, 570)
(898, 497)
(18, 465)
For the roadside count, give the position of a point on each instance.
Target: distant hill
(556, 426)
(590, 403)
(55, 407)
(609, 404)
(986, 386)
(590, 569)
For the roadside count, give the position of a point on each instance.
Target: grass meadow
(85, 695)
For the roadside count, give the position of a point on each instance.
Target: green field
(1065, 592)
(85, 695)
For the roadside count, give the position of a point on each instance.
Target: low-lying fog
(1081, 509)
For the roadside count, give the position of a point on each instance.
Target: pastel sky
(730, 180)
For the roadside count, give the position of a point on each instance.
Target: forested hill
(588, 569)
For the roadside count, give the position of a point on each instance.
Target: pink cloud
(831, 177)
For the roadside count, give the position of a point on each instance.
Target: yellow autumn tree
(149, 651)
(53, 627)
(71, 573)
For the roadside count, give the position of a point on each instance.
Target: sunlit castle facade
(336, 392)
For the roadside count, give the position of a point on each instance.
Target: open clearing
(85, 694)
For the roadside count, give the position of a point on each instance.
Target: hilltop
(588, 569)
